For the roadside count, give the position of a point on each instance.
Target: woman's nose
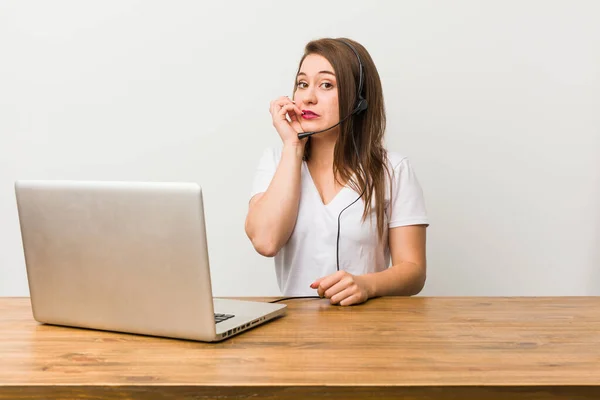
(308, 96)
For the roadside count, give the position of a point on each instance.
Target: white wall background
(496, 103)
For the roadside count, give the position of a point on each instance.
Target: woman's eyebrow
(320, 72)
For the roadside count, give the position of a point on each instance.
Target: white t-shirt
(310, 252)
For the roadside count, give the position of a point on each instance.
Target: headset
(360, 106)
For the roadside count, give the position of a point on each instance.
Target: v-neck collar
(316, 191)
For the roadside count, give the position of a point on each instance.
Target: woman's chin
(313, 126)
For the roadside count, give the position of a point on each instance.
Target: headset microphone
(302, 135)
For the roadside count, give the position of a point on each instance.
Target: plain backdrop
(496, 103)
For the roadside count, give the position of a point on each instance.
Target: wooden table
(419, 348)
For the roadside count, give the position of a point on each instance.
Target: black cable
(360, 107)
(295, 297)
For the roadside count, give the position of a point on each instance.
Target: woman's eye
(301, 85)
(326, 85)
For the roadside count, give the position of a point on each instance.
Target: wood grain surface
(415, 347)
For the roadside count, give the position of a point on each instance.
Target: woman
(333, 207)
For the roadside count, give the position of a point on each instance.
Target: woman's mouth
(307, 114)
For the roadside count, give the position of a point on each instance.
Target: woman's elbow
(265, 248)
(418, 285)
(264, 244)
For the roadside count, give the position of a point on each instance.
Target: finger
(354, 299)
(342, 295)
(338, 287)
(285, 110)
(286, 100)
(281, 101)
(315, 284)
(330, 280)
(319, 286)
(275, 105)
(295, 114)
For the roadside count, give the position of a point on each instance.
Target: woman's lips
(307, 114)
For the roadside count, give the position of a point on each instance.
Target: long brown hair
(368, 127)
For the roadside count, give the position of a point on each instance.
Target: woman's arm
(272, 214)
(406, 276)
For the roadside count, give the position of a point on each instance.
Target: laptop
(127, 257)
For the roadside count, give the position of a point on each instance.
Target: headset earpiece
(361, 105)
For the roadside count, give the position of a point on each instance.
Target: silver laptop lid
(123, 256)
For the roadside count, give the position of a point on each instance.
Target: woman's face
(316, 94)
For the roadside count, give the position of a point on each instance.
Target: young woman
(332, 207)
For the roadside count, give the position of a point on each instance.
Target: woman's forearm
(403, 279)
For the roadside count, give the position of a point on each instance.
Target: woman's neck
(321, 151)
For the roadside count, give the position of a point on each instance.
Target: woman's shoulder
(400, 168)
(396, 160)
(272, 153)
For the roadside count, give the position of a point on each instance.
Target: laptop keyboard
(222, 317)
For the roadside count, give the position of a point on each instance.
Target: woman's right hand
(288, 130)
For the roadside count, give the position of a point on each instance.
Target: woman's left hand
(342, 288)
